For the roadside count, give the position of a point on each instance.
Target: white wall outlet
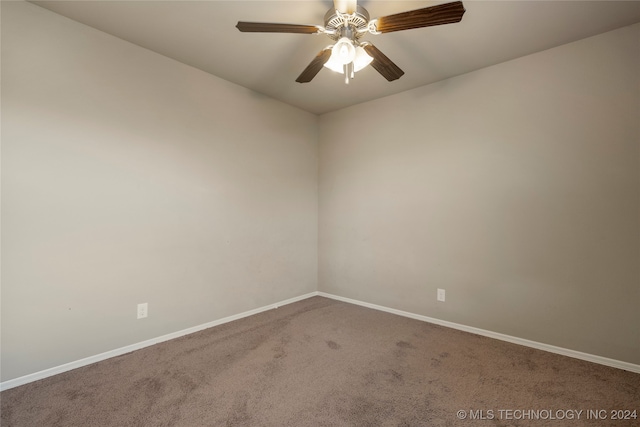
(441, 295)
(143, 310)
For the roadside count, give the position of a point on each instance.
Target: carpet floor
(321, 362)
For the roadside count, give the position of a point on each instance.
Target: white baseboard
(127, 349)
(502, 337)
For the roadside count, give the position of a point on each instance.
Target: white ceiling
(203, 34)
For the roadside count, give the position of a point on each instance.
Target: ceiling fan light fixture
(361, 60)
(343, 52)
(334, 65)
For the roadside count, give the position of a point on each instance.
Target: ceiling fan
(346, 24)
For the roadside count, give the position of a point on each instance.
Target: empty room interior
(203, 224)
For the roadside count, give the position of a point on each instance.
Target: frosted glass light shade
(361, 59)
(344, 52)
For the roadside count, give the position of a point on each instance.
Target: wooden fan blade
(314, 66)
(266, 27)
(434, 15)
(345, 6)
(382, 64)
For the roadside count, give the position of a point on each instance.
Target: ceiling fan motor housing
(353, 26)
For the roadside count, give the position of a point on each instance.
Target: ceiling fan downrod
(349, 73)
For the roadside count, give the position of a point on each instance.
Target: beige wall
(515, 188)
(128, 177)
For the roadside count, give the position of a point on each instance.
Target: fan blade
(265, 27)
(382, 64)
(345, 6)
(434, 15)
(314, 67)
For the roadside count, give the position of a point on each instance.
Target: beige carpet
(321, 362)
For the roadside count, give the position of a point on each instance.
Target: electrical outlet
(143, 310)
(441, 295)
